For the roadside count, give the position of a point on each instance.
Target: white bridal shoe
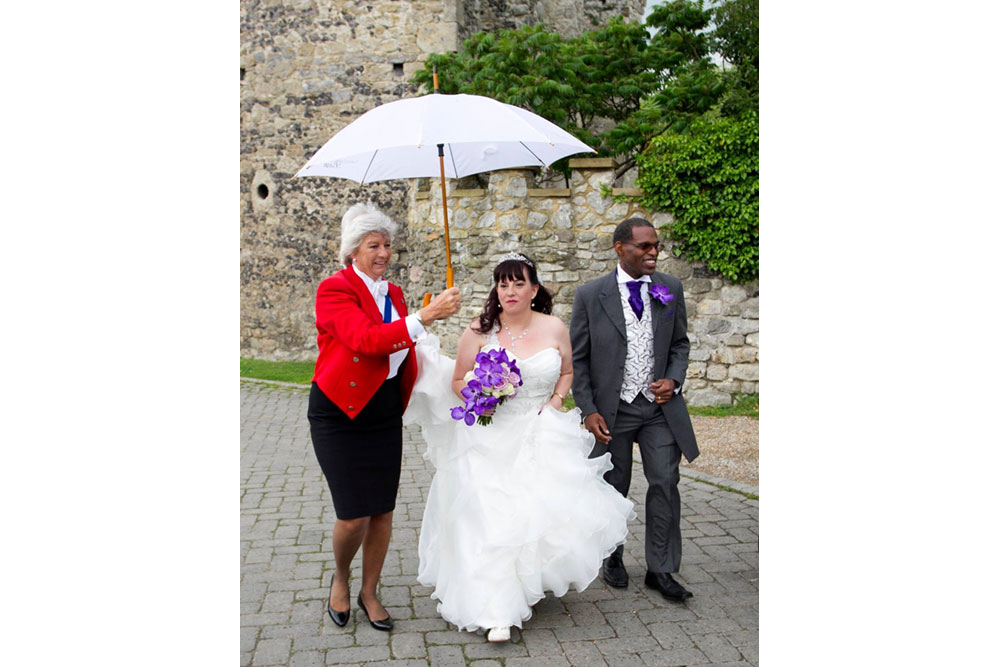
(499, 634)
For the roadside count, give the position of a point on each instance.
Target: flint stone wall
(569, 18)
(568, 235)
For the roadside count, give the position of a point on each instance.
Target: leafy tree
(657, 101)
(708, 179)
(736, 36)
(617, 73)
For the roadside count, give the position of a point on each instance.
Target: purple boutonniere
(662, 294)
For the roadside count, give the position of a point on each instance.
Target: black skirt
(360, 457)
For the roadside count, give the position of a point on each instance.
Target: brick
(308, 659)
(446, 656)
(272, 652)
(407, 644)
(357, 654)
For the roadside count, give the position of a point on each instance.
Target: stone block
(708, 397)
(517, 186)
(717, 372)
(733, 294)
(510, 221)
(709, 307)
(536, 220)
(598, 203)
(744, 372)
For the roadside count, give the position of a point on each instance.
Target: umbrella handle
(427, 299)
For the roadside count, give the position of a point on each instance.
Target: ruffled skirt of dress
(515, 508)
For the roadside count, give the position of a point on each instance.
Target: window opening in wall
(262, 191)
(397, 69)
(242, 73)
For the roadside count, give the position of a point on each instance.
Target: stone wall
(307, 69)
(569, 18)
(568, 234)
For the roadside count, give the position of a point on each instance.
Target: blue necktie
(387, 313)
(635, 297)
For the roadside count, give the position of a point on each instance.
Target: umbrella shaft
(449, 275)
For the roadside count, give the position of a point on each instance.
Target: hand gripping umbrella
(450, 136)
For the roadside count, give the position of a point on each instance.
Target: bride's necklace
(513, 341)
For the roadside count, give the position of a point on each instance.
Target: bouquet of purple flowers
(493, 379)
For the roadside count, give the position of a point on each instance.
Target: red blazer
(355, 344)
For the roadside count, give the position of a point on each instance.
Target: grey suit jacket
(597, 331)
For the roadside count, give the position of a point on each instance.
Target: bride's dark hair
(512, 269)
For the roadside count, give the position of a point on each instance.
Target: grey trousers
(643, 422)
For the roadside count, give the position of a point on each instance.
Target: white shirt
(379, 290)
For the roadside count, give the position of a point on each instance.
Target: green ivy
(707, 179)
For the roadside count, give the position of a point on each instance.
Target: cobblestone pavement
(286, 564)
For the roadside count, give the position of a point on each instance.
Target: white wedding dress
(515, 508)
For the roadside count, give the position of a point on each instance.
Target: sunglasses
(644, 247)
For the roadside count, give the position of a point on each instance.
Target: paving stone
(272, 652)
(716, 648)
(286, 561)
(540, 661)
(451, 637)
(308, 659)
(674, 658)
(290, 631)
(627, 645)
(579, 632)
(540, 642)
(583, 654)
(357, 654)
(446, 656)
(325, 640)
(248, 638)
(627, 624)
(498, 651)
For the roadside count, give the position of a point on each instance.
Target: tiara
(517, 256)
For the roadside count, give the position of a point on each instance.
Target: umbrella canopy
(400, 140)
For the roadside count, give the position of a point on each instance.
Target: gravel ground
(728, 448)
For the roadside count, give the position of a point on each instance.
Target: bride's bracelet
(561, 397)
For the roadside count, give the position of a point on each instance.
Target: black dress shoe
(665, 583)
(614, 571)
(384, 624)
(339, 617)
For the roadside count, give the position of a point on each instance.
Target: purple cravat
(635, 297)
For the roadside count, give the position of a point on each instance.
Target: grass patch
(280, 371)
(746, 405)
(751, 496)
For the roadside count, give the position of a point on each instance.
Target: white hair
(360, 221)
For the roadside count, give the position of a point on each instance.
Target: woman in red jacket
(362, 383)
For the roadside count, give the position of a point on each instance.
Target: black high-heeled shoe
(340, 618)
(384, 624)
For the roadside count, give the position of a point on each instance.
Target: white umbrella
(449, 136)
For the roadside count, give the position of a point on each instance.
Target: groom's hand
(595, 424)
(663, 390)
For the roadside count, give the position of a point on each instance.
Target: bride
(515, 508)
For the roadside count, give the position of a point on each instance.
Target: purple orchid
(494, 378)
(490, 373)
(661, 293)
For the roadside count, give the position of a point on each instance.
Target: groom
(630, 357)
